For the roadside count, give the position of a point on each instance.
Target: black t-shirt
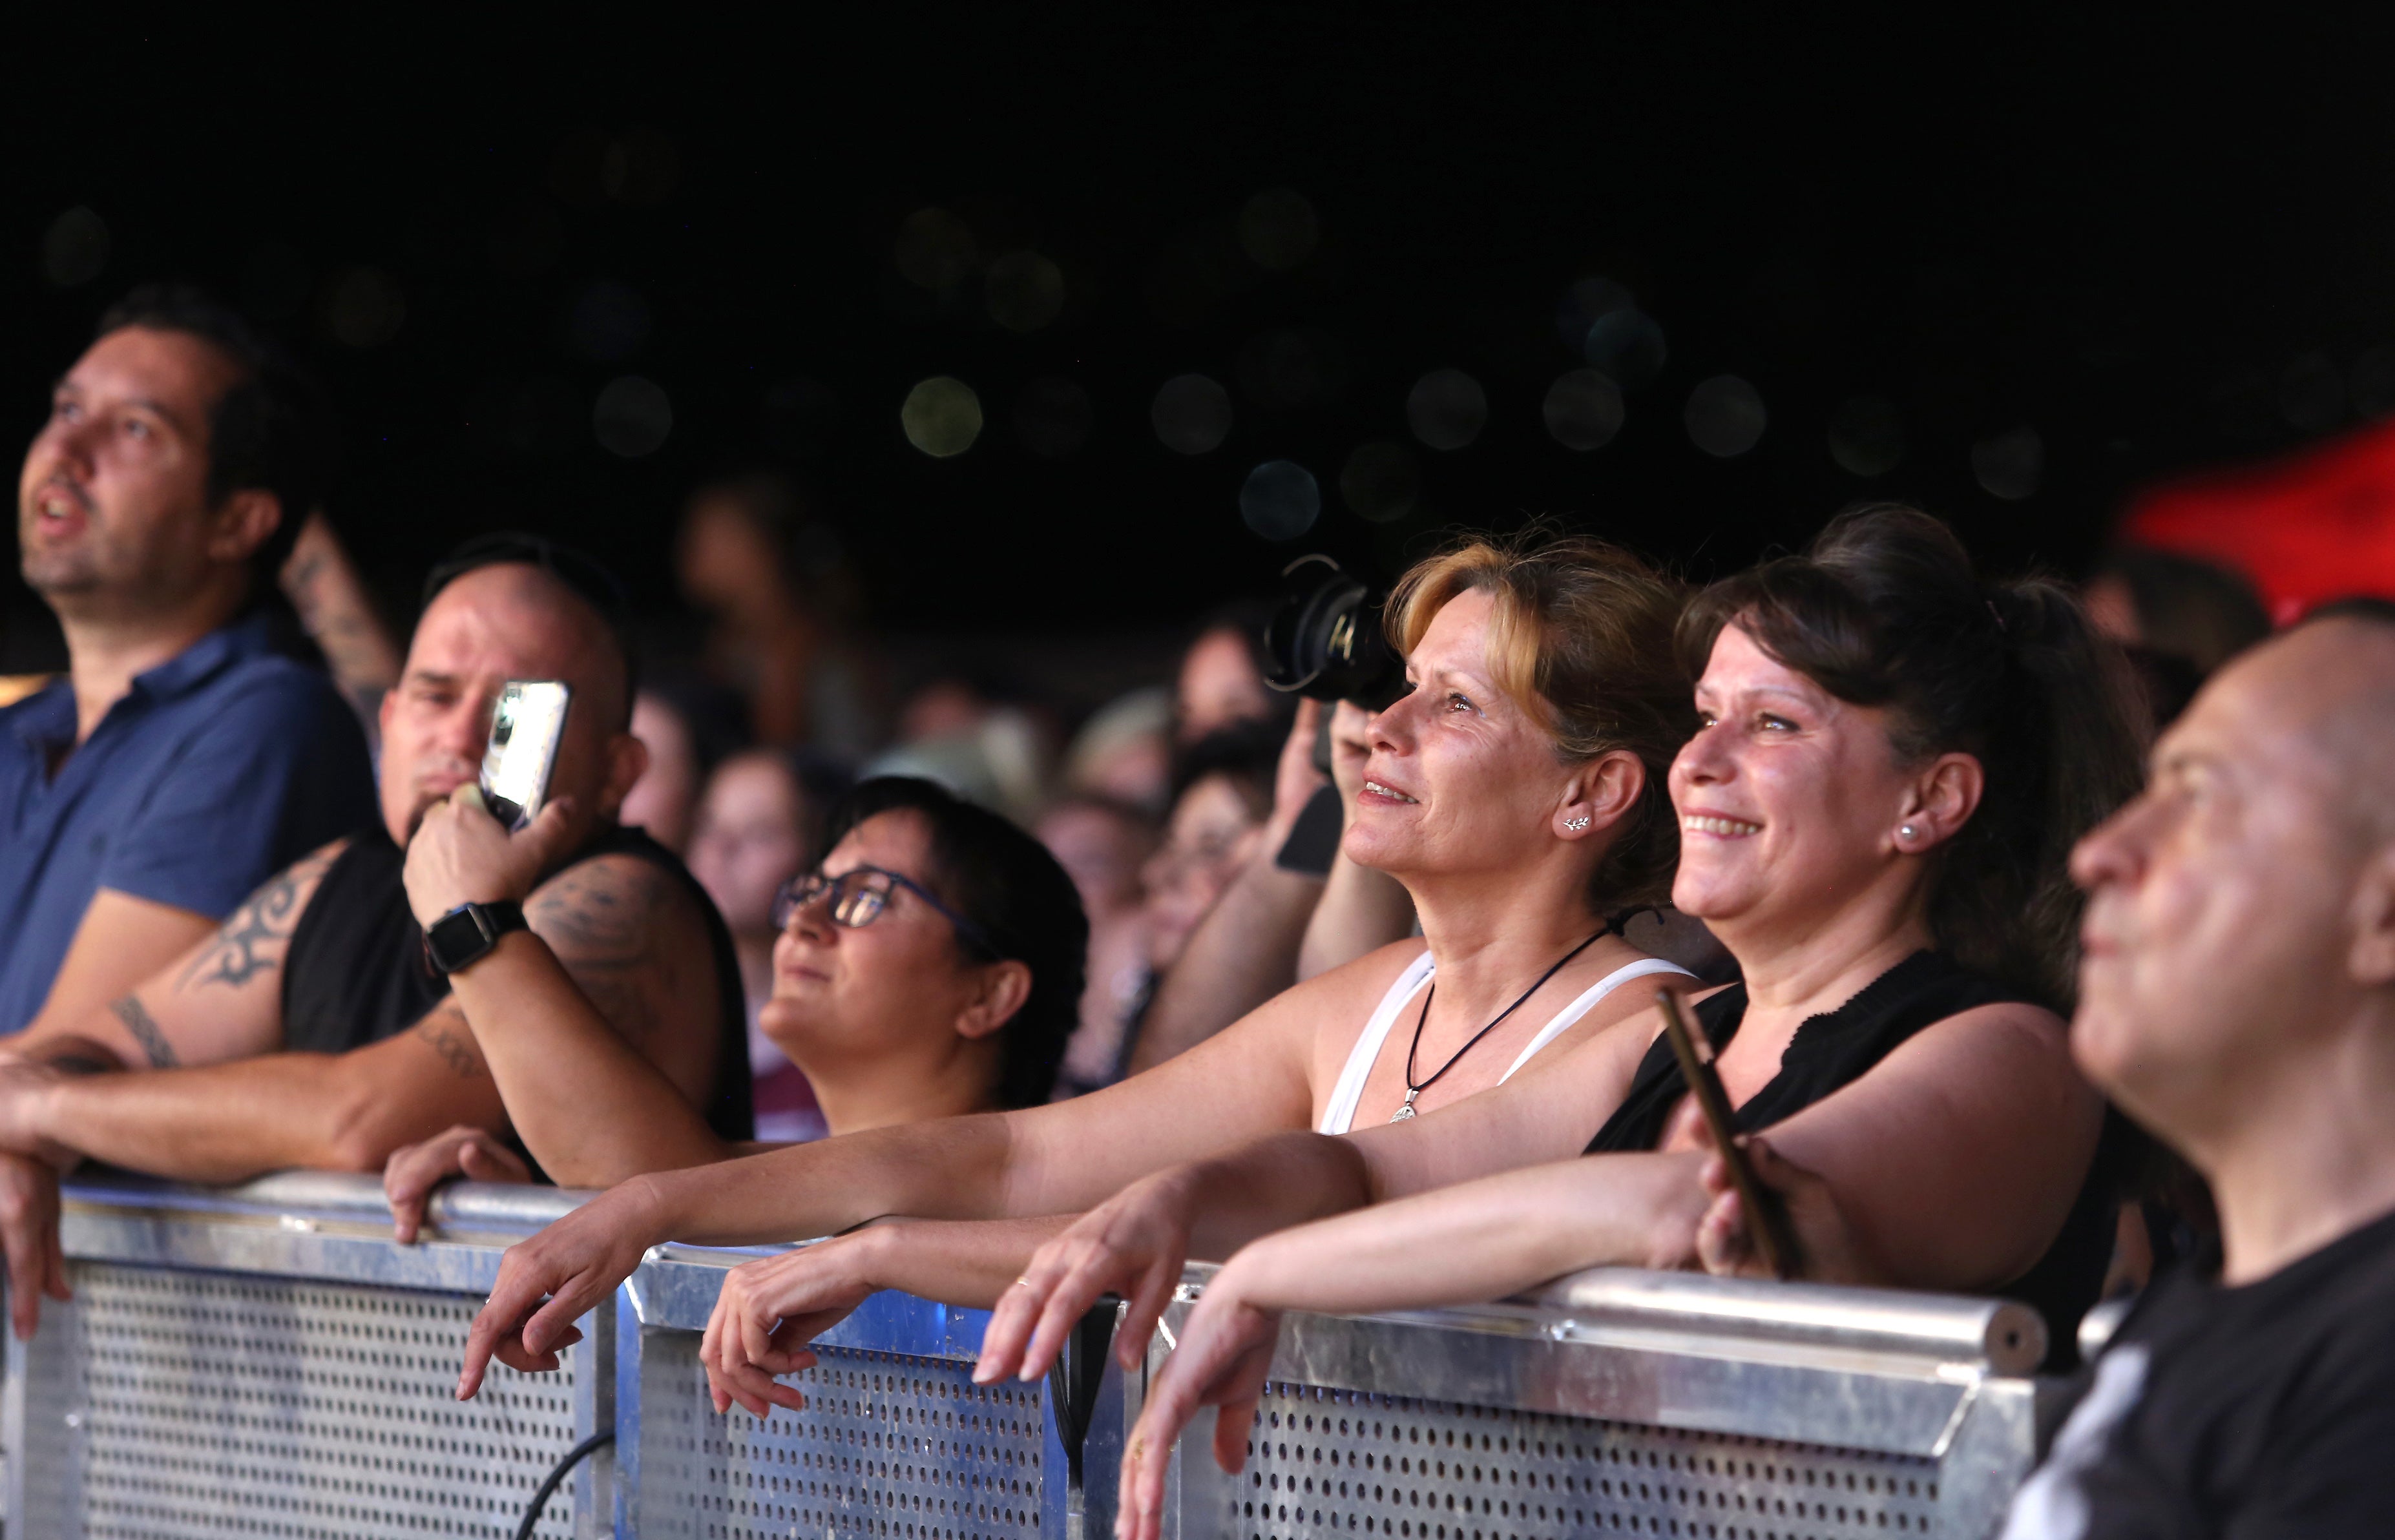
(2246, 1413)
(356, 972)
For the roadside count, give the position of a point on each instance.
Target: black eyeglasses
(859, 896)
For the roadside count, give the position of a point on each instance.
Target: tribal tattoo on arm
(145, 1031)
(253, 942)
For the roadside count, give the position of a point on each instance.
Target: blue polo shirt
(220, 767)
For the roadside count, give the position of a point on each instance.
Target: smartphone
(526, 725)
(1766, 1218)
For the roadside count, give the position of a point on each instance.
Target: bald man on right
(2237, 997)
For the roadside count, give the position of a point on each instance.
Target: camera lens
(1325, 642)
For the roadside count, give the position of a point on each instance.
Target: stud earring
(1574, 825)
(1904, 830)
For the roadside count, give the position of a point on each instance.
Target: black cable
(556, 1478)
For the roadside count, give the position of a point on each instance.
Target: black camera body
(1326, 640)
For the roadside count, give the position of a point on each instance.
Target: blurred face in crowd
(111, 507)
(1102, 849)
(1460, 778)
(843, 995)
(727, 562)
(2221, 949)
(663, 800)
(1219, 685)
(1210, 835)
(748, 838)
(492, 625)
(1789, 798)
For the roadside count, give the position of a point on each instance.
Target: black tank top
(355, 972)
(1836, 1049)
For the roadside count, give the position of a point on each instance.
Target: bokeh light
(1582, 305)
(1867, 436)
(1725, 416)
(1192, 413)
(633, 416)
(1025, 291)
(1280, 500)
(1446, 409)
(1583, 410)
(1626, 346)
(74, 249)
(607, 322)
(942, 416)
(2312, 393)
(364, 308)
(2009, 464)
(1052, 416)
(1278, 229)
(934, 249)
(1293, 369)
(1381, 482)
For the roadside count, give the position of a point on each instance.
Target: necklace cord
(1413, 1090)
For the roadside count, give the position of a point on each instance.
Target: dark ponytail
(1887, 610)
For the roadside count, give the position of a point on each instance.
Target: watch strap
(466, 934)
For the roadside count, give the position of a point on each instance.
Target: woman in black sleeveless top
(1892, 763)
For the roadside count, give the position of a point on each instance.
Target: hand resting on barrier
(769, 1309)
(1133, 1245)
(29, 1230)
(548, 1281)
(1832, 1250)
(462, 1150)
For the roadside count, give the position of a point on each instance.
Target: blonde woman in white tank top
(1517, 829)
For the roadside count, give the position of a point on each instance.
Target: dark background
(2157, 247)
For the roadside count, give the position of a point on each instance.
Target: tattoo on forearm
(447, 1033)
(145, 1031)
(253, 939)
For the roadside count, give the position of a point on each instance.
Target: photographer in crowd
(181, 761)
(2237, 996)
(308, 1031)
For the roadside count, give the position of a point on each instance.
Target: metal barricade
(266, 1361)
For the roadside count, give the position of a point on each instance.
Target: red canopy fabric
(2316, 525)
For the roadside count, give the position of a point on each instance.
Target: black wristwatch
(467, 933)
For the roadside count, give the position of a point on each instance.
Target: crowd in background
(1072, 1001)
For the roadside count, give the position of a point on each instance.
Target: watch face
(454, 939)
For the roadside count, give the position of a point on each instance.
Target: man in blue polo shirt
(182, 761)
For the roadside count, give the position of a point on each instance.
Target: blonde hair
(1581, 638)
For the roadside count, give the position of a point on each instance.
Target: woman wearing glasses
(930, 966)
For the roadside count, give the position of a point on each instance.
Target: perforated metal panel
(181, 1403)
(890, 1447)
(1328, 1460)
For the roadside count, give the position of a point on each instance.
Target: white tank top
(1340, 1113)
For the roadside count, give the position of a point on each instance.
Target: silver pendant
(1402, 1113)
